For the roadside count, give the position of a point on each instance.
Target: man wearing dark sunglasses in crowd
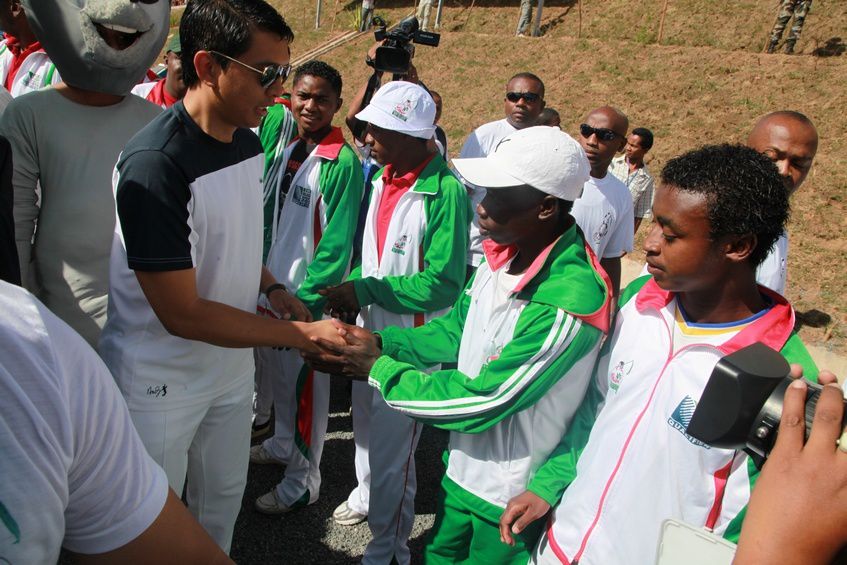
(186, 266)
(523, 103)
(604, 211)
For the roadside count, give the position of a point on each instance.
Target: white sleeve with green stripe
(547, 343)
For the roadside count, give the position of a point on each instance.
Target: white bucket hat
(542, 157)
(403, 107)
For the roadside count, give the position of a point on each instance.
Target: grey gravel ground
(309, 535)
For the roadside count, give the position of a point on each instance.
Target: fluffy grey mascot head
(101, 45)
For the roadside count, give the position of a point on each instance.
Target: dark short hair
(743, 190)
(548, 113)
(322, 70)
(529, 76)
(225, 26)
(646, 137)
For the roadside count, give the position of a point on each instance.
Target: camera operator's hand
(372, 51)
(799, 504)
(825, 377)
(412, 75)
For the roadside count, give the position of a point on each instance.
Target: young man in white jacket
(716, 214)
(317, 197)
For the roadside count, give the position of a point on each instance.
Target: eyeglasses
(269, 74)
(530, 97)
(603, 134)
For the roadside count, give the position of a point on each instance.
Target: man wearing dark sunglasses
(186, 268)
(522, 104)
(604, 211)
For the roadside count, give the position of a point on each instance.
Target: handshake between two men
(338, 347)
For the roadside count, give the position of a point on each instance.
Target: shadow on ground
(834, 47)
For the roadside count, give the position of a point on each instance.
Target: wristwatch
(272, 287)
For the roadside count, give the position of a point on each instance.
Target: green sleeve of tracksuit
(445, 245)
(442, 337)
(553, 477)
(341, 184)
(794, 352)
(355, 273)
(547, 343)
(278, 122)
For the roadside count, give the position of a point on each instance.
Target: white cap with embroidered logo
(542, 157)
(403, 107)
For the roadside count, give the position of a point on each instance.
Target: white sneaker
(346, 516)
(260, 456)
(268, 503)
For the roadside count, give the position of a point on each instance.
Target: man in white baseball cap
(413, 269)
(525, 334)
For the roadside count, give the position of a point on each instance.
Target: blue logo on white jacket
(681, 417)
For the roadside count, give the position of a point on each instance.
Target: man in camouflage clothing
(799, 9)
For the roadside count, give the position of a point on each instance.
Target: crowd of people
(204, 251)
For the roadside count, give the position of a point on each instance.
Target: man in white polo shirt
(523, 103)
(790, 140)
(604, 212)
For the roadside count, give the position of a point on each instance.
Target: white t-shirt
(773, 271)
(604, 214)
(73, 470)
(184, 200)
(480, 143)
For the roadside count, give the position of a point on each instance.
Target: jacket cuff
(546, 494)
(389, 344)
(382, 370)
(363, 294)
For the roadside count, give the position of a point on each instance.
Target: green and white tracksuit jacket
(523, 368)
(276, 132)
(422, 269)
(638, 466)
(311, 249)
(312, 239)
(37, 71)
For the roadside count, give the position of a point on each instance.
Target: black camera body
(395, 54)
(741, 405)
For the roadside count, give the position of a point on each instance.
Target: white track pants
(385, 470)
(303, 474)
(263, 393)
(280, 366)
(209, 443)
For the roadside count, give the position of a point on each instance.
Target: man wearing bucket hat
(413, 268)
(525, 333)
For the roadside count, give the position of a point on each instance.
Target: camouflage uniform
(799, 9)
(422, 13)
(525, 17)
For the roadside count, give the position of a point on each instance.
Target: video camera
(741, 405)
(396, 52)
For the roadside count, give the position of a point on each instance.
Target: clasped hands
(342, 349)
(345, 349)
(333, 346)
